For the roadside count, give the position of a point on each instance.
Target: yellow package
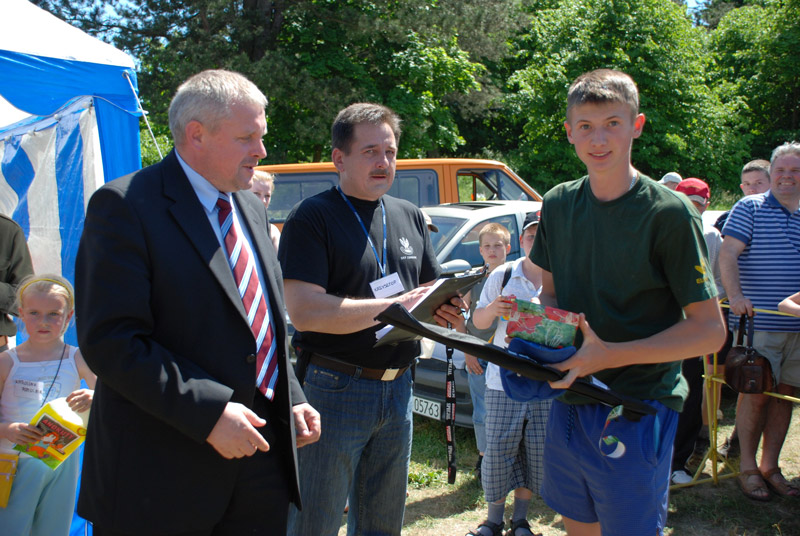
(8, 469)
(64, 430)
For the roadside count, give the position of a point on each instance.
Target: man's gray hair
(342, 131)
(207, 97)
(790, 147)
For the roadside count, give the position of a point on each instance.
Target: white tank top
(28, 383)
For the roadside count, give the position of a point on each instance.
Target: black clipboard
(441, 292)
(399, 317)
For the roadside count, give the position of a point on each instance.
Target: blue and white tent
(68, 123)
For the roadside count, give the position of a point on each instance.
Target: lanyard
(364, 228)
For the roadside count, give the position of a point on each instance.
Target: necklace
(633, 181)
(60, 360)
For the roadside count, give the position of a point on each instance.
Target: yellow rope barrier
(712, 404)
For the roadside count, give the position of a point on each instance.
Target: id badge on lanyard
(387, 285)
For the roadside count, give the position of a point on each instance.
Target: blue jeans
(477, 392)
(362, 454)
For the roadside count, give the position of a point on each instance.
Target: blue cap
(523, 389)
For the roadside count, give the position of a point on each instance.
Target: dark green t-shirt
(630, 265)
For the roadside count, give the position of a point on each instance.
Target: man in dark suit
(181, 439)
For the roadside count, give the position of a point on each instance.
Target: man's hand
(410, 298)
(235, 434)
(589, 359)
(452, 315)
(472, 364)
(741, 305)
(306, 424)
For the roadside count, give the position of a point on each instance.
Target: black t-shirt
(323, 243)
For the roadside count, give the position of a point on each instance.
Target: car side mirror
(456, 266)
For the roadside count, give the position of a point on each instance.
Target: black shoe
(478, 466)
(730, 449)
(701, 446)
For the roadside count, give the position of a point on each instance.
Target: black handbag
(747, 371)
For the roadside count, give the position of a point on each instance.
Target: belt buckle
(389, 374)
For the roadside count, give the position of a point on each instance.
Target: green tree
(311, 57)
(708, 13)
(652, 40)
(756, 71)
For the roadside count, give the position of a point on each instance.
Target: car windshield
(448, 227)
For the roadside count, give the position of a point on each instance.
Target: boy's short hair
(603, 86)
(756, 165)
(495, 228)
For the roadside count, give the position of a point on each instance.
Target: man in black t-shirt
(347, 254)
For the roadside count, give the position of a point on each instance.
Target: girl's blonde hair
(50, 284)
(264, 177)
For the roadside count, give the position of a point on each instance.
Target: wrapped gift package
(543, 325)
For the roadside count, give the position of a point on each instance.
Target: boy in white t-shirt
(510, 424)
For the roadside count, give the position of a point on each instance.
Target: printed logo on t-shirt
(703, 269)
(405, 246)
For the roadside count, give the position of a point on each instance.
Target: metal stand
(712, 404)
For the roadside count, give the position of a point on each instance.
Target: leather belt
(385, 375)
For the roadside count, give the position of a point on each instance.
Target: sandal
(780, 486)
(497, 530)
(756, 492)
(520, 524)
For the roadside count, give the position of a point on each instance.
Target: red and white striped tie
(244, 270)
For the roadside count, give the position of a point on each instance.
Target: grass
(435, 508)
(724, 200)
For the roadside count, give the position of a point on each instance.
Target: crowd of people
(200, 424)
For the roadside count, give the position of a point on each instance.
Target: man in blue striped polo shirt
(760, 266)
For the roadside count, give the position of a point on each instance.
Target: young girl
(37, 371)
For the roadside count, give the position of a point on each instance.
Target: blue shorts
(627, 495)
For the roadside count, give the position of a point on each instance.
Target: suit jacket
(15, 265)
(160, 322)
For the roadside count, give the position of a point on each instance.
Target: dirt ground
(434, 508)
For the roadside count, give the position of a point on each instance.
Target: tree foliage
(757, 69)
(719, 85)
(311, 58)
(655, 43)
(709, 12)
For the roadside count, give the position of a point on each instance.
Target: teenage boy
(495, 244)
(514, 430)
(755, 177)
(628, 255)
(691, 437)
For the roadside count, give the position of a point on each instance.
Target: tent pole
(144, 115)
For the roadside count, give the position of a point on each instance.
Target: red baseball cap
(695, 189)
